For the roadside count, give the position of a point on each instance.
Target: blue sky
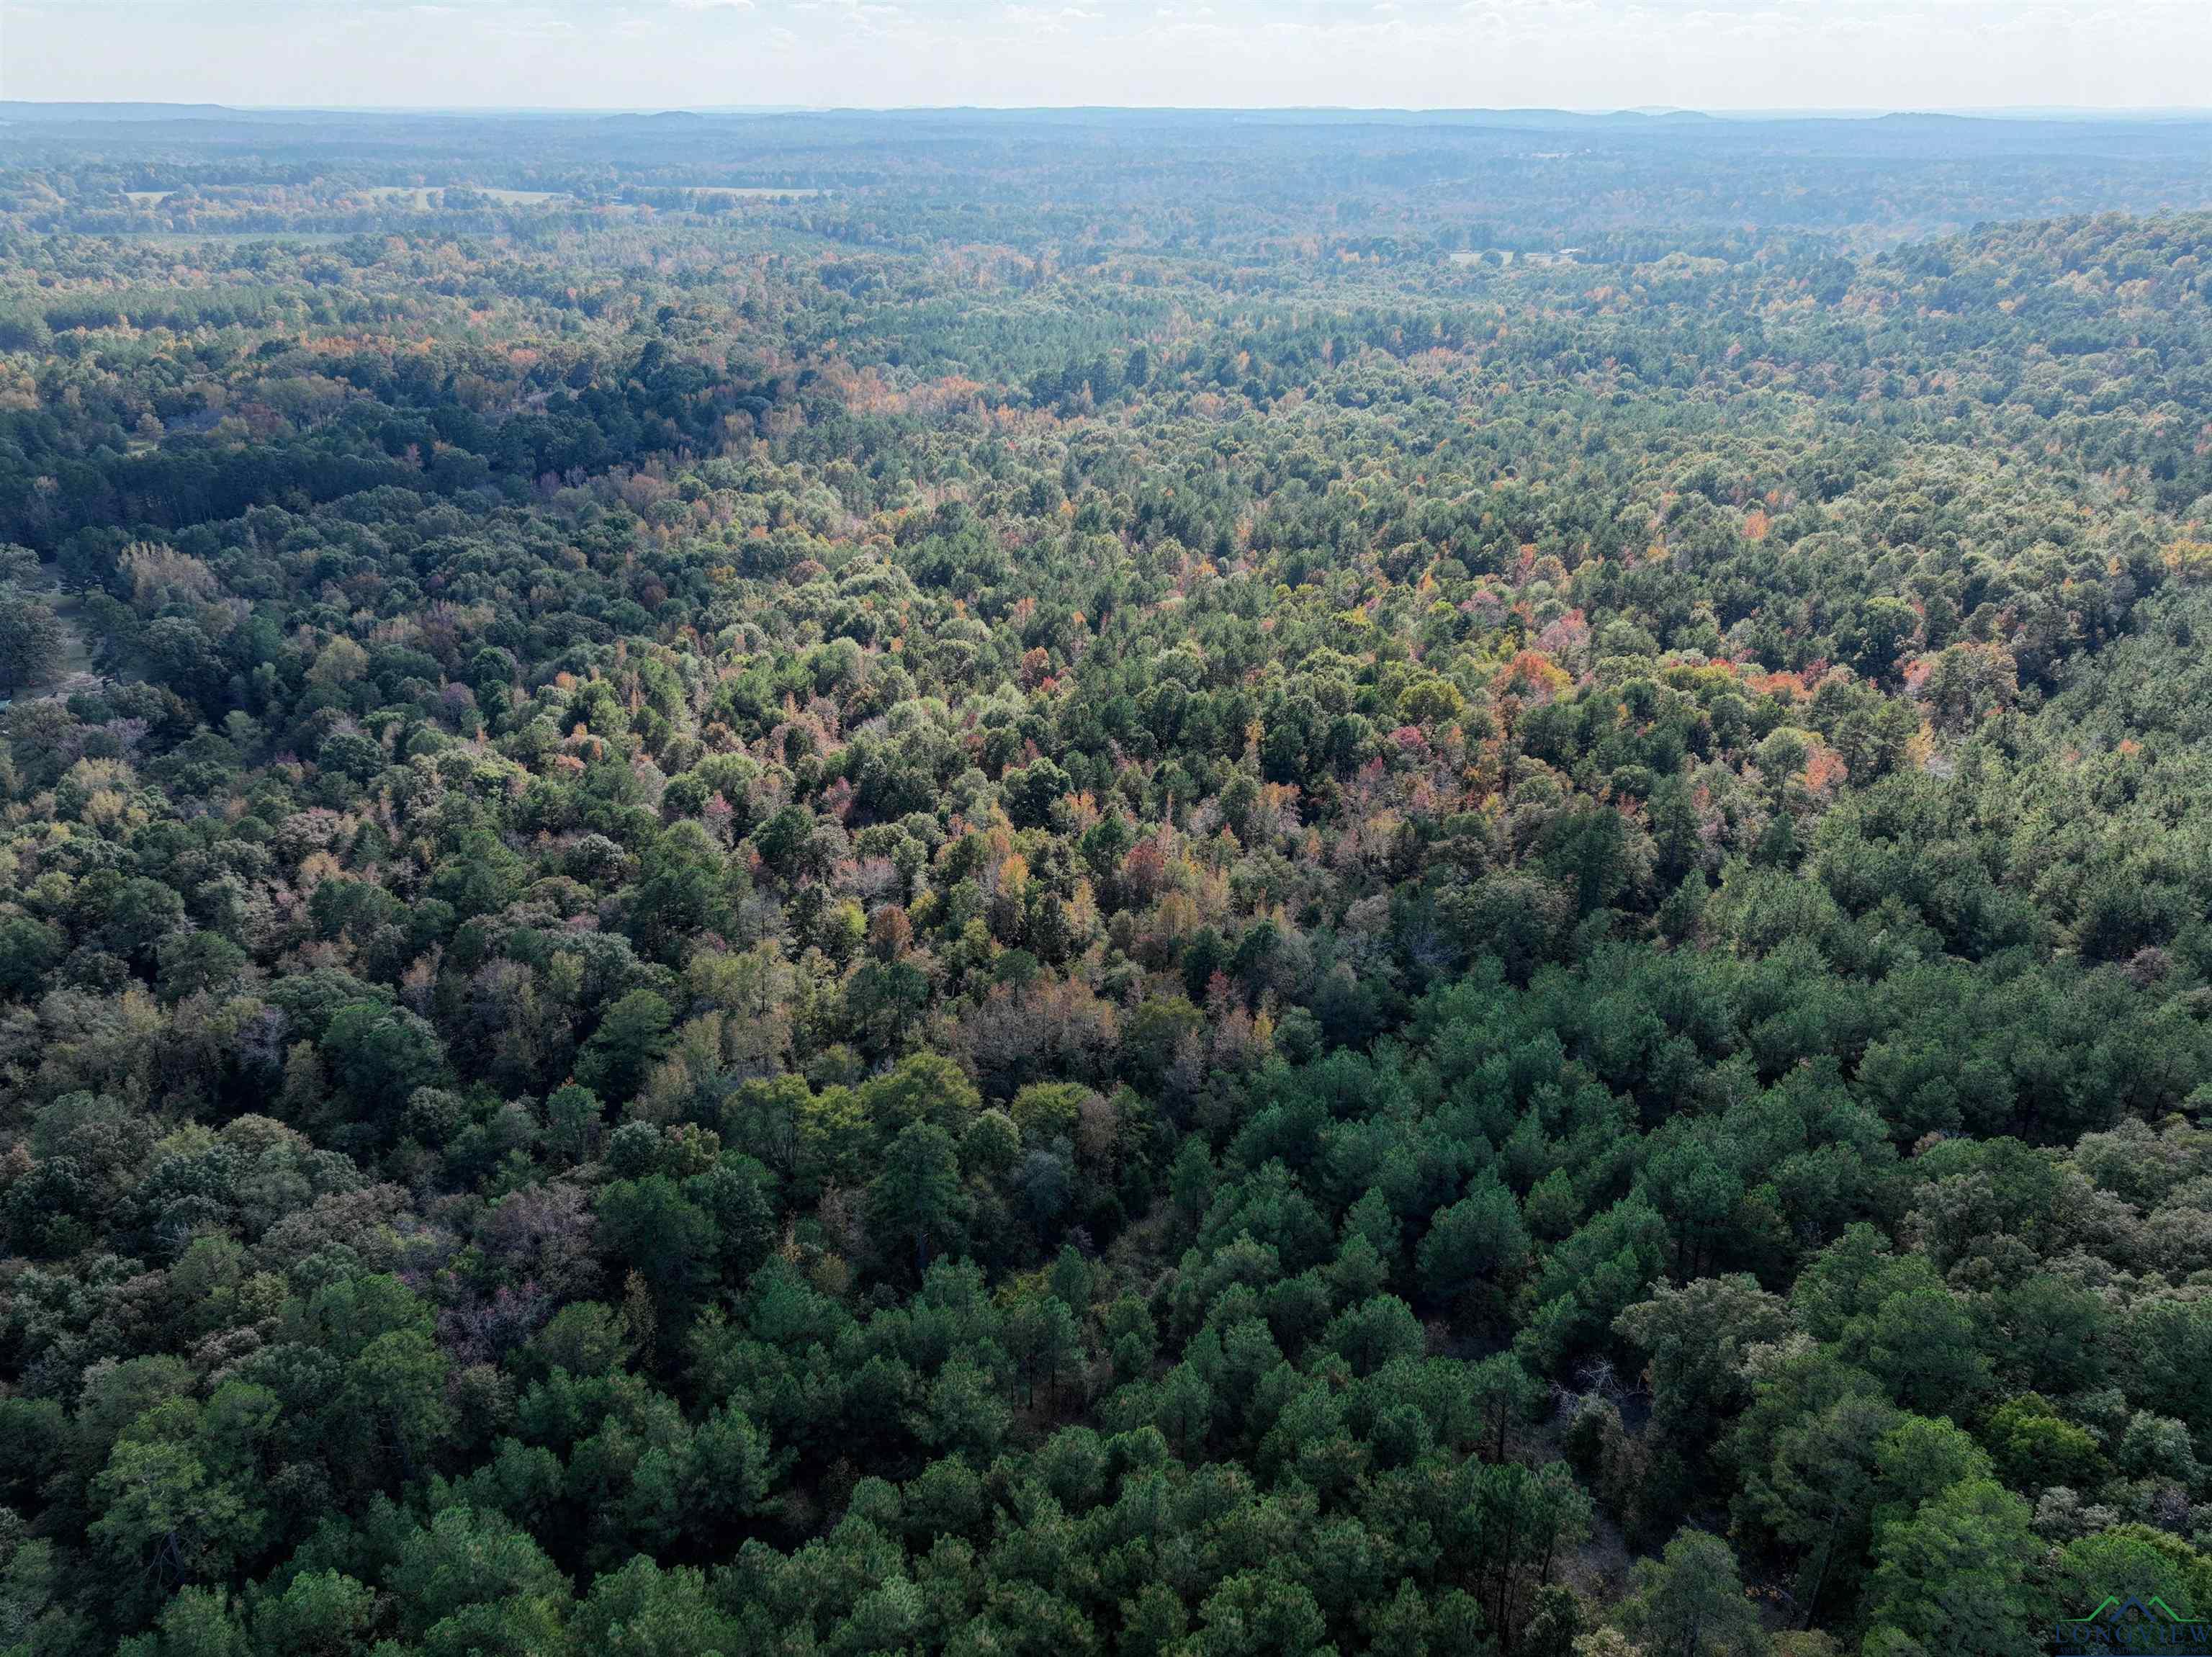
(1580, 54)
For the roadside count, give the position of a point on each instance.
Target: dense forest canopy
(1157, 884)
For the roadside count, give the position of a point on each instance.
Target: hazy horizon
(1770, 112)
(1721, 56)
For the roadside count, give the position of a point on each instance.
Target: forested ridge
(921, 919)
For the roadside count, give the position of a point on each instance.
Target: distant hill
(25, 112)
